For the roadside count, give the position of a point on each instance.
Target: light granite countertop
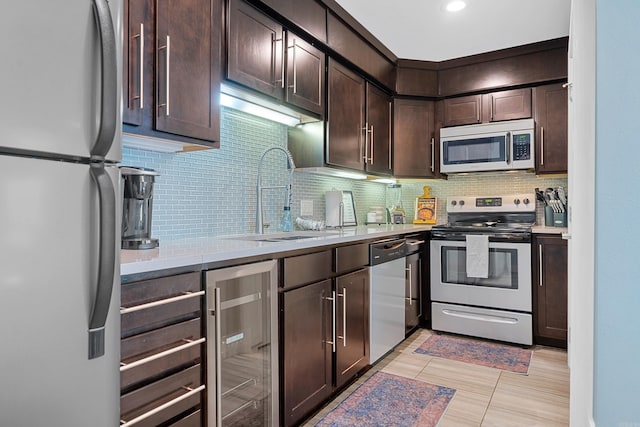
(180, 253)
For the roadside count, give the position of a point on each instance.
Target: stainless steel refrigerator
(60, 117)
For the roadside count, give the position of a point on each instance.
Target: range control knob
(461, 202)
(526, 201)
(453, 203)
(516, 202)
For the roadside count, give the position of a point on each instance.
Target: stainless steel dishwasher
(387, 314)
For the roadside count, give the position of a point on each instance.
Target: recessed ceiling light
(455, 6)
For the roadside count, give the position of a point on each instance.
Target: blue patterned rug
(390, 400)
(500, 356)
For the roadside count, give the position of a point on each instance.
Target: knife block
(554, 219)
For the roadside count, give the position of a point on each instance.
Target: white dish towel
(477, 256)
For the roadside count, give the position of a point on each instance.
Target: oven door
(508, 285)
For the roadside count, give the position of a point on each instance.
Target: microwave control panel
(521, 146)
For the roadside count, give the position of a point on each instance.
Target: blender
(394, 202)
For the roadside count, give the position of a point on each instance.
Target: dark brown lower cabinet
(308, 353)
(352, 324)
(162, 351)
(550, 290)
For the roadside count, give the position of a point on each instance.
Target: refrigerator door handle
(109, 83)
(107, 259)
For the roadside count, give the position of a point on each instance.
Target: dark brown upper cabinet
(310, 15)
(491, 107)
(551, 116)
(172, 69)
(507, 105)
(415, 143)
(254, 50)
(305, 75)
(256, 59)
(359, 122)
(550, 290)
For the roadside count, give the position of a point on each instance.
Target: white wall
(617, 231)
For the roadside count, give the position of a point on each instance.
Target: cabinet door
(345, 144)
(550, 293)
(413, 291)
(463, 110)
(310, 15)
(352, 325)
(187, 68)
(137, 60)
(305, 75)
(414, 142)
(378, 137)
(508, 105)
(254, 51)
(551, 115)
(307, 356)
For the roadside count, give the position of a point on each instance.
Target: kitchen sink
(284, 237)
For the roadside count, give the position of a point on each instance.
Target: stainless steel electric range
(481, 268)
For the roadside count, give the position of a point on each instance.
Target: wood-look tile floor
(484, 396)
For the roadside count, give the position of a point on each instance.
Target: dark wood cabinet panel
(413, 291)
(351, 257)
(254, 50)
(346, 105)
(137, 64)
(305, 77)
(550, 290)
(417, 78)
(463, 110)
(378, 133)
(308, 268)
(187, 68)
(310, 15)
(507, 105)
(352, 325)
(307, 354)
(414, 139)
(551, 116)
(352, 46)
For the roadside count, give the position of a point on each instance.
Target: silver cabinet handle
(433, 155)
(190, 392)
(107, 259)
(295, 68)
(218, 367)
(141, 66)
(491, 108)
(540, 265)
(190, 343)
(390, 136)
(167, 48)
(541, 145)
(343, 295)
(186, 295)
(409, 269)
(371, 143)
(109, 84)
(333, 321)
(366, 143)
(274, 42)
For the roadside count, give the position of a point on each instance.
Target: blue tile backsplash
(212, 193)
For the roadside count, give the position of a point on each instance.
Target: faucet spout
(291, 166)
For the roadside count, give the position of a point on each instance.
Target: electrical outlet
(306, 207)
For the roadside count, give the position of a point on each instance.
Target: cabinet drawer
(309, 268)
(156, 303)
(147, 345)
(192, 420)
(170, 389)
(351, 257)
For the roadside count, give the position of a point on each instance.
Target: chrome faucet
(291, 166)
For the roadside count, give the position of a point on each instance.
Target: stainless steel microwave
(505, 145)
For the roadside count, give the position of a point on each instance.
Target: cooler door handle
(109, 82)
(107, 259)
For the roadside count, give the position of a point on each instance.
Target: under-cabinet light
(455, 6)
(257, 110)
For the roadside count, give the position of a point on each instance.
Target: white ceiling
(422, 29)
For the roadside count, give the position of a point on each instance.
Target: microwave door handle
(507, 147)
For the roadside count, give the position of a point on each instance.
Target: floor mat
(484, 353)
(391, 400)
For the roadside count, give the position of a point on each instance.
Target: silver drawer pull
(414, 242)
(186, 295)
(190, 343)
(162, 407)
